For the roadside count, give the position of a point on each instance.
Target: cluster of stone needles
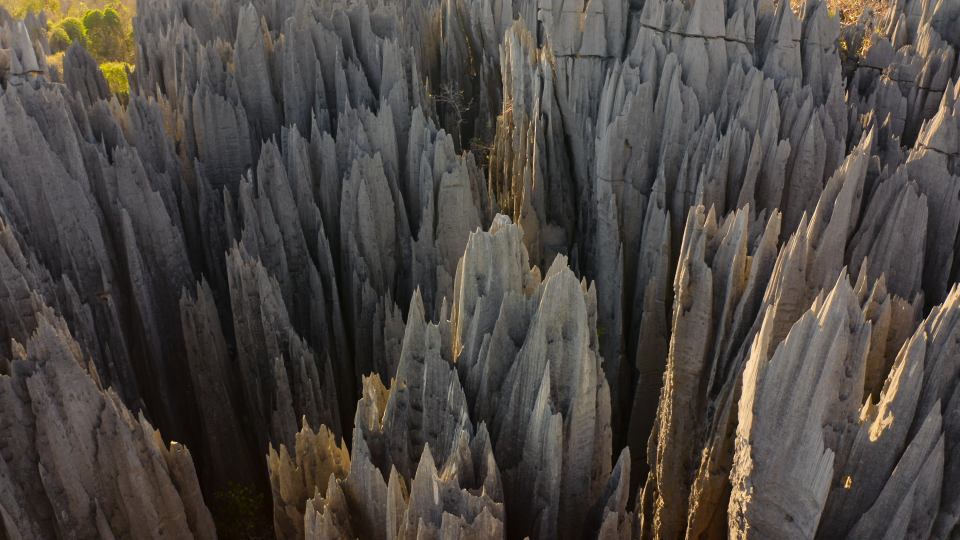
(485, 269)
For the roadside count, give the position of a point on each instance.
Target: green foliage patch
(20, 10)
(59, 40)
(105, 35)
(74, 29)
(116, 76)
(106, 31)
(64, 33)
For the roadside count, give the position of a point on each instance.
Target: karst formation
(485, 269)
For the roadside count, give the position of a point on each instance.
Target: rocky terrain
(605, 269)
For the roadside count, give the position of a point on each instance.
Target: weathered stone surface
(812, 383)
(299, 200)
(229, 455)
(77, 461)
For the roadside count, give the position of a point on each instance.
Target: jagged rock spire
(292, 224)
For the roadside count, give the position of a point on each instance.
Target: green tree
(64, 33)
(105, 35)
(74, 29)
(59, 40)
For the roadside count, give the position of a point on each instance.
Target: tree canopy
(64, 33)
(105, 35)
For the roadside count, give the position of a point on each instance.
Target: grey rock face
(570, 269)
(80, 462)
(806, 384)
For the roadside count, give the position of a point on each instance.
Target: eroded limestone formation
(485, 269)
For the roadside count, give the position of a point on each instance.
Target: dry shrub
(849, 10)
(55, 61)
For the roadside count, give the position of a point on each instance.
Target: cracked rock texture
(577, 269)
